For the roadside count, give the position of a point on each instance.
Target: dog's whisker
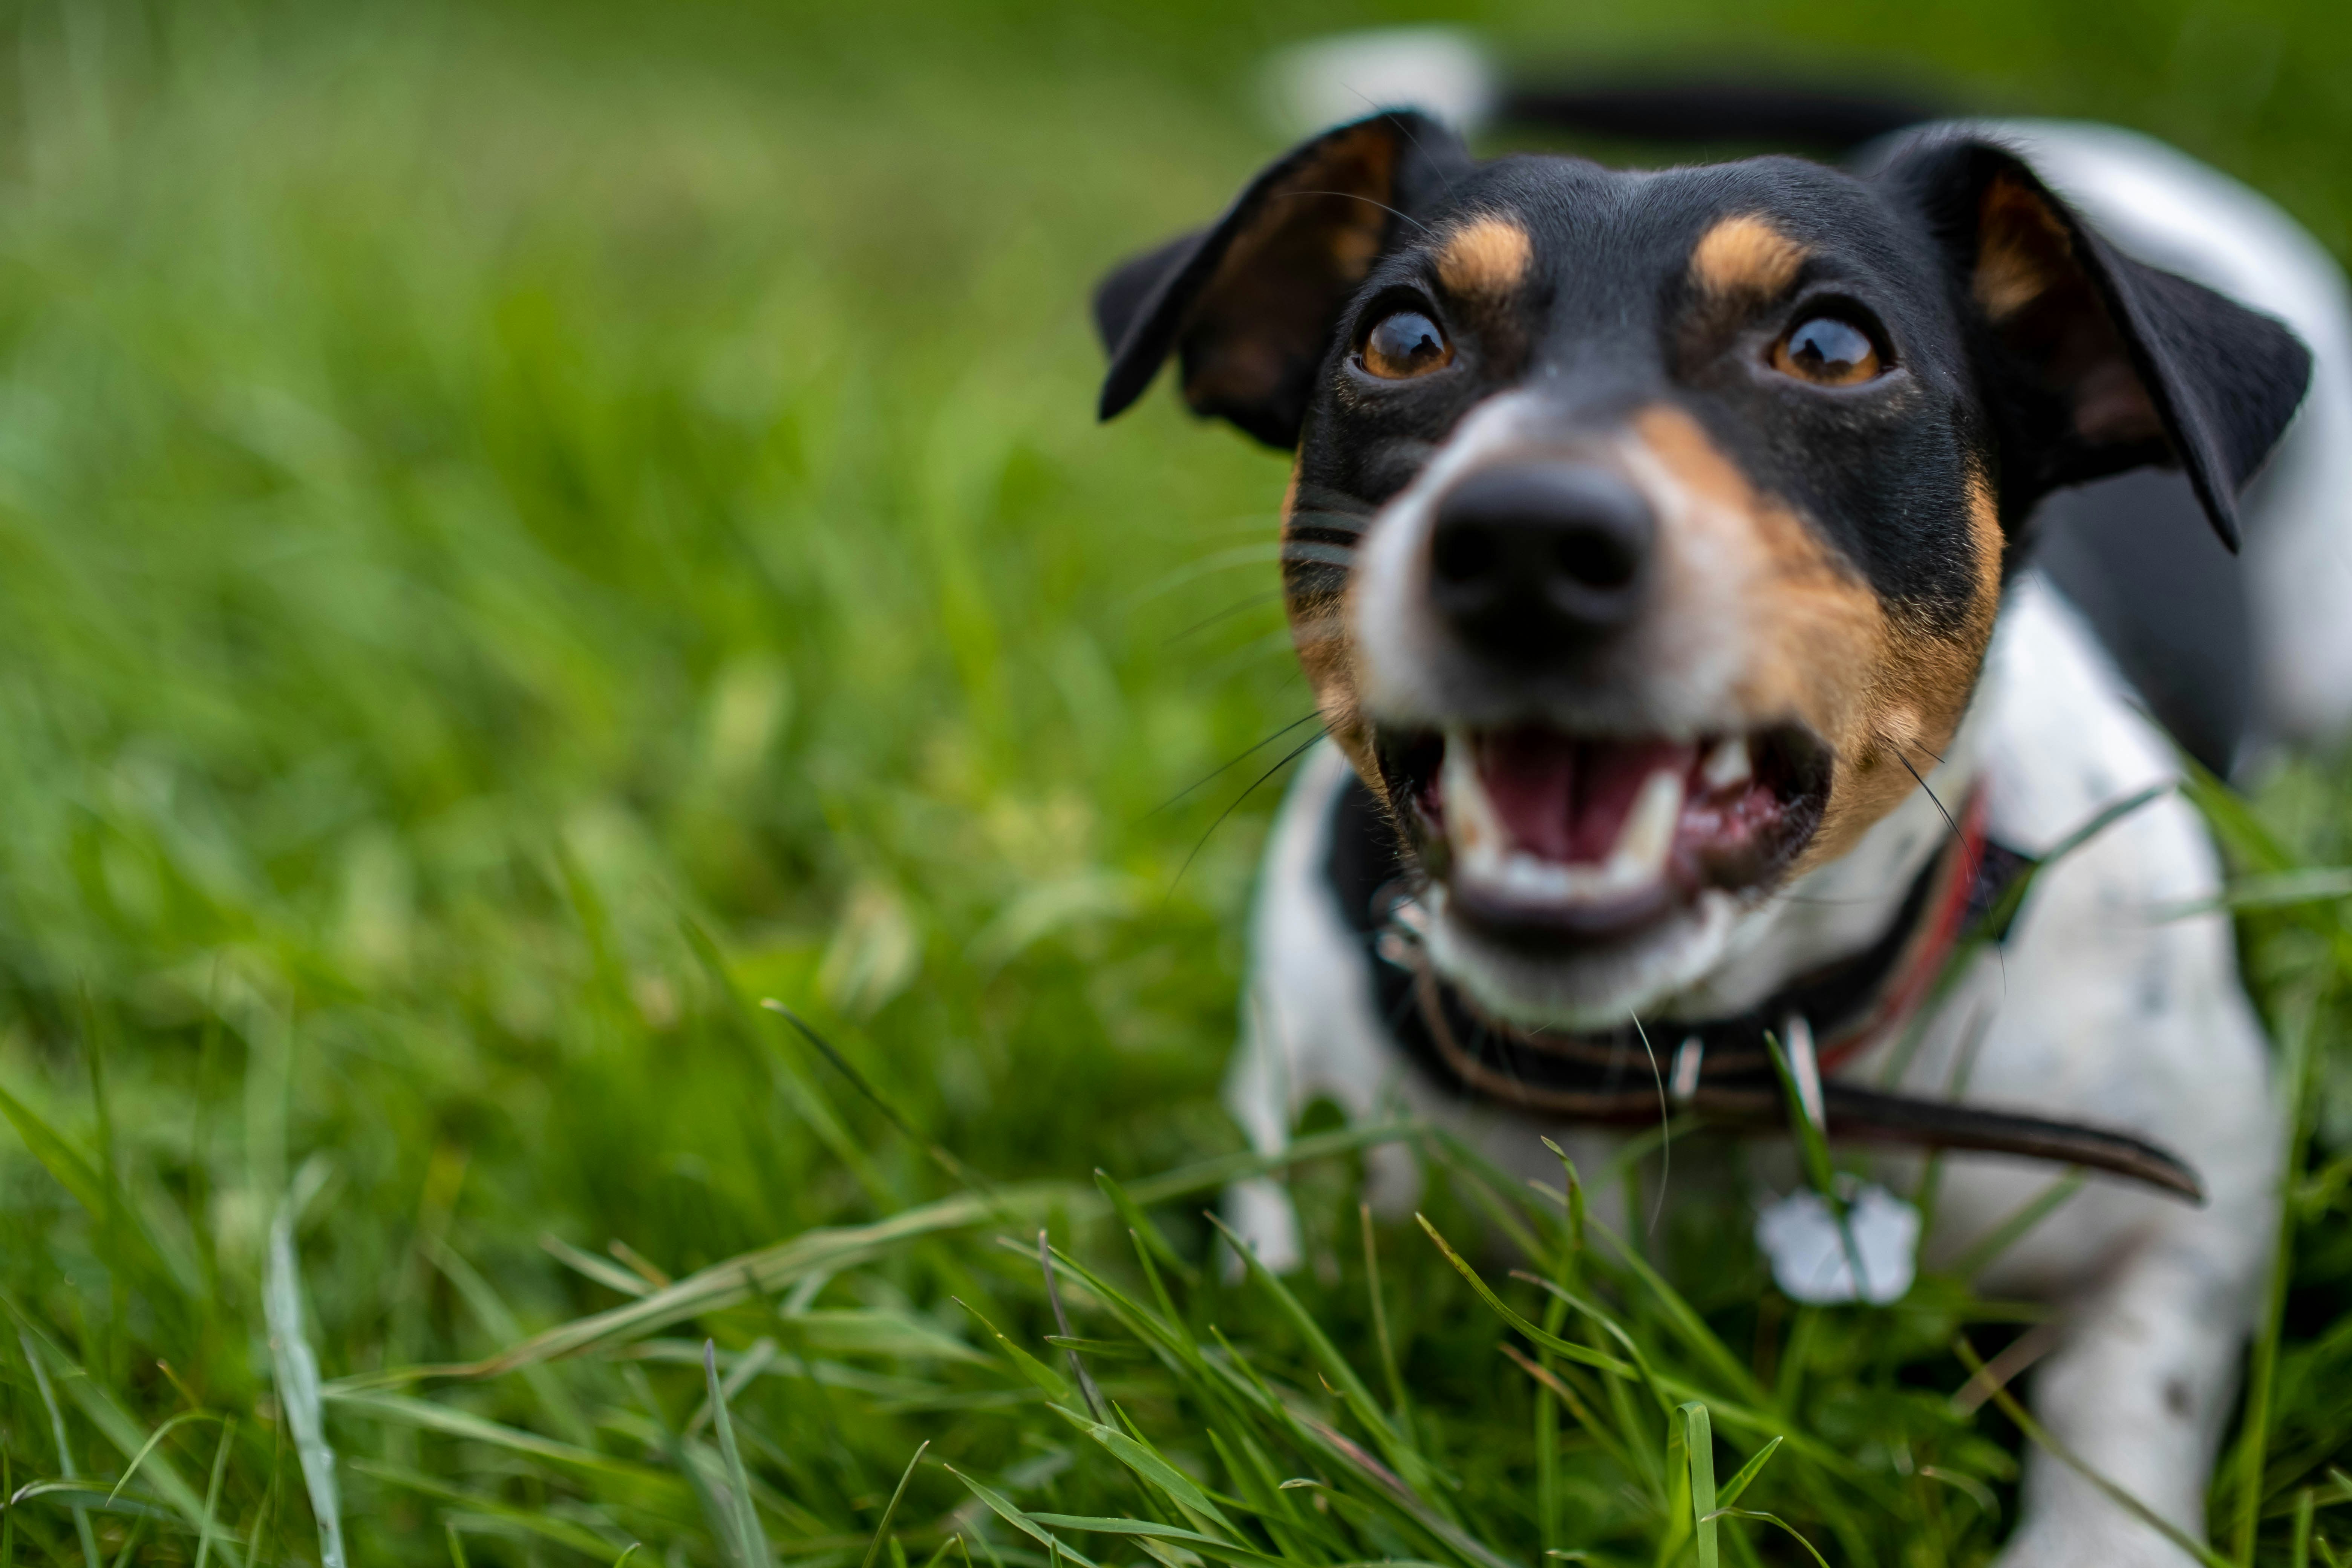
(1251, 603)
(1359, 196)
(1437, 166)
(1224, 768)
(1960, 840)
(1251, 655)
(1923, 749)
(1241, 555)
(1957, 837)
(1288, 757)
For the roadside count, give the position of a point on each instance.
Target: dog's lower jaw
(1592, 987)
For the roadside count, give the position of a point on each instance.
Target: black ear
(2093, 362)
(1249, 304)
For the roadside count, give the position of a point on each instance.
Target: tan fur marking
(2022, 250)
(1305, 251)
(1489, 256)
(1318, 633)
(1873, 681)
(1746, 255)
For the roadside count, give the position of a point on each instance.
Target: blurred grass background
(490, 496)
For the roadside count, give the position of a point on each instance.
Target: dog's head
(1648, 529)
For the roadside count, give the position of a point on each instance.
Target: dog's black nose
(1528, 560)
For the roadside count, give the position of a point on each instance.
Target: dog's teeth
(1649, 830)
(1727, 763)
(1526, 877)
(1478, 840)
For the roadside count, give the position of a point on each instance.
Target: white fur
(2104, 1006)
(2101, 1008)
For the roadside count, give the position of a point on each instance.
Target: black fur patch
(1610, 319)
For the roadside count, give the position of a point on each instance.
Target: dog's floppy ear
(2097, 363)
(1249, 304)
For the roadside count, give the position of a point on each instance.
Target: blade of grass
(1406, 1459)
(1777, 1522)
(749, 1539)
(1147, 1232)
(1005, 1509)
(1052, 1383)
(297, 1369)
(1086, 1390)
(1147, 1463)
(498, 1322)
(2013, 1229)
(100, 1407)
(1748, 1473)
(1207, 1545)
(890, 1509)
(1633, 1367)
(535, 1522)
(212, 1492)
(467, 1427)
(1698, 1447)
(165, 1430)
(58, 1435)
(1551, 1379)
(2261, 1375)
(1400, 1406)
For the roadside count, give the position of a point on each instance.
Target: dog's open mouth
(1545, 836)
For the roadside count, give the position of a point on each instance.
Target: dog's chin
(1589, 983)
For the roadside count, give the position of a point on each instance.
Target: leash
(1721, 1070)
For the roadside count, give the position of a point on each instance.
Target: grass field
(523, 534)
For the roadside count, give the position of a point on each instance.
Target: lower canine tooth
(1727, 763)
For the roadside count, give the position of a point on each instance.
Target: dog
(1662, 550)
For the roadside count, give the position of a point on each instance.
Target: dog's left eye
(1405, 343)
(1827, 352)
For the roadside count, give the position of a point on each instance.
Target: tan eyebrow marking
(1487, 255)
(1746, 255)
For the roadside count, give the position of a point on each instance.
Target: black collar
(1719, 1068)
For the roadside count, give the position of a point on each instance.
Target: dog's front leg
(2137, 1392)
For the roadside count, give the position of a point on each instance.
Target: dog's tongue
(1566, 800)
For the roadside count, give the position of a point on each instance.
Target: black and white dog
(1661, 549)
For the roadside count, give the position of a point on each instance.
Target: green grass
(524, 534)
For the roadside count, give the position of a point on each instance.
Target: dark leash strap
(1720, 1069)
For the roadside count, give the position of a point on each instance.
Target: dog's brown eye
(1406, 343)
(1826, 351)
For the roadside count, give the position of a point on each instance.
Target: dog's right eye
(1405, 343)
(1827, 352)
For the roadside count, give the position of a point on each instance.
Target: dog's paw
(2108, 1539)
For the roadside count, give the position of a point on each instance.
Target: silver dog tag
(1810, 1258)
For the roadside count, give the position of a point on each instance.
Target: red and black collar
(1721, 1068)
